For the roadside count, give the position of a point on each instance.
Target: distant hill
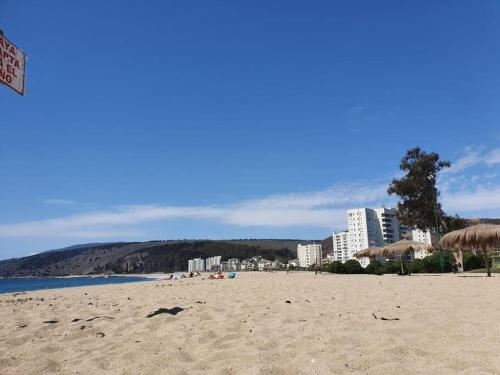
(153, 256)
(485, 221)
(327, 246)
(141, 257)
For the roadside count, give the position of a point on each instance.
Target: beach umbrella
(369, 252)
(481, 236)
(404, 247)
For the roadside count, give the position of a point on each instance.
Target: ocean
(23, 284)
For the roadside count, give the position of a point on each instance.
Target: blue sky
(211, 119)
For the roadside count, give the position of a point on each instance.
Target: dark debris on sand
(382, 318)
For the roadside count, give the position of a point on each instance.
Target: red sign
(12, 65)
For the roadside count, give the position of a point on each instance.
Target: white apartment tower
(213, 262)
(234, 264)
(340, 249)
(424, 236)
(309, 254)
(371, 227)
(196, 265)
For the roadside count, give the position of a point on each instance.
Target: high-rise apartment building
(196, 265)
(309, 254)
(425, 236)
(340, 250)
(234, 264)
(369, 227)
(213, 262)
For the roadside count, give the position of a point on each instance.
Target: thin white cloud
(474, 156)
(480, 199)
(340, 195)
(63, 202)
(493, 157)
(316, 209)
(320, 209)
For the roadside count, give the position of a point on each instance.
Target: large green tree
(451, 223)
(419, 205)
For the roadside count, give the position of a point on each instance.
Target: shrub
(417, 266)
(353, 266)
(472, 262)
(432, 263)
(336, 267)
(375, 268)
(392, 267)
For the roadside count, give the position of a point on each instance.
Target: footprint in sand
(207, 336)
(51, 367)
(206, 316)
(226, 338)
(185, 357)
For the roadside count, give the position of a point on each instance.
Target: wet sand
(258, 323)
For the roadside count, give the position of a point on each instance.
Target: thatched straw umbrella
(481, 236)
(405, 247)
(369, 252)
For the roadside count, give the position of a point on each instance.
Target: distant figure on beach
(218, 275)
(191, 274)
(459, 268)
(454, 268)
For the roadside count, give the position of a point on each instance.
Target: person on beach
(218, 275)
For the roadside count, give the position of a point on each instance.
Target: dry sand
(447, 324)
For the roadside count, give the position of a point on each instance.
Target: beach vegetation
(336, 267)
(419, 206)
(473, 262)
(375, 268)
(353, 266)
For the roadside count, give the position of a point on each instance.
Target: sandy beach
(258, 323)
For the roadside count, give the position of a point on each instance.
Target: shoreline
(97, 276)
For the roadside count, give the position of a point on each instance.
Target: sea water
(12, 285)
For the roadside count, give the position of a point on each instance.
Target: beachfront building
(364, 261)
(234, 264)
(263, 264)
(213, 263)
(248, 265)
(405, 232)
(309, 255)
(196, 265)
(268, 265)
(425, 236)
(369, 227)
(293, 262)
(340, 250)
